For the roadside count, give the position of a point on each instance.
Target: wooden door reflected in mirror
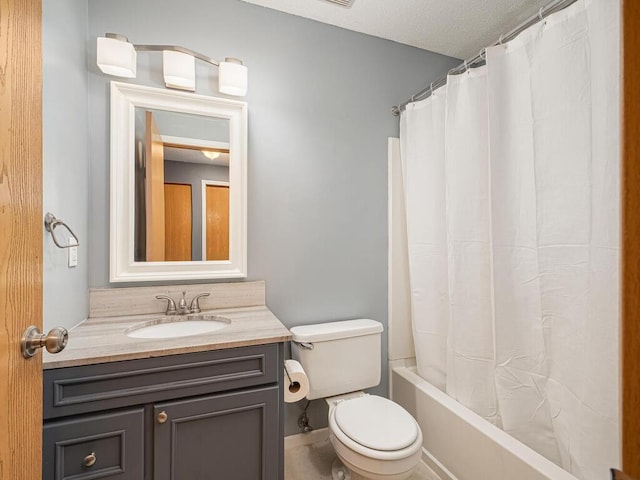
(216, 240)
(182, 187)
(178, 222)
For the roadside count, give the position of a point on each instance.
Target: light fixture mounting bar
(160, 48)
(174, 48)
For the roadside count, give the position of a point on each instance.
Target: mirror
(181, 187)
(178, 185)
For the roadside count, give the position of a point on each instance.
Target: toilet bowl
(374, 438)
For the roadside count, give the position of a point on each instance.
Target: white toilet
(374, 437)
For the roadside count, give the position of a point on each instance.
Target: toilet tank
(338, 357)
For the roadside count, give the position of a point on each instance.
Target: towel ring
(50, 224)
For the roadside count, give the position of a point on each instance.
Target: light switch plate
(73, 254)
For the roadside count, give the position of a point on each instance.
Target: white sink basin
(178, 326)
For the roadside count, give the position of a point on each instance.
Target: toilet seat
(377, 423)
(412, 445)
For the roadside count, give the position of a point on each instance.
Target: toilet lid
(376, 423)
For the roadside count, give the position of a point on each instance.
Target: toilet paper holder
(294, 386)
(298, 383)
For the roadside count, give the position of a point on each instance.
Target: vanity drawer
(106, 446)
(74, 390)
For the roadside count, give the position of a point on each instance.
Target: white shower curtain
(511, 178)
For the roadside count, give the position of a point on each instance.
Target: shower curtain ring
(431, 89)
(466, 65)
(501, 39)
(540, 16)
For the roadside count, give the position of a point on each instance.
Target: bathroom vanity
(197, 407)
(201, 397)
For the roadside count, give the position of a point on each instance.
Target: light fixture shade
(116, 57)
(232, 77)
(179, 70)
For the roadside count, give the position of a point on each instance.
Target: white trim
(195, 142)
(400, 331)
(203, 199)
(393, 364)
(122, 267)
(393, 146)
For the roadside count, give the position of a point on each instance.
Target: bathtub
(458, 444)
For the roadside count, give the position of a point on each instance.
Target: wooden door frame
(21, 230)
(154, 191)
(630, 259)
(21, 241)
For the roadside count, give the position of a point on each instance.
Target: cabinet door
(230, 436)
(108, 446)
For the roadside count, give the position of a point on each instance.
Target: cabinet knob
(90, 460)
(162, 417)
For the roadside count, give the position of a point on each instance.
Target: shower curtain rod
(479, 59)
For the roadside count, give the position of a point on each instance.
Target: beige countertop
(100, 340)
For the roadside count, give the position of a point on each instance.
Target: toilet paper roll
(296, 383)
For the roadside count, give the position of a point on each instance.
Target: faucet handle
(171, 305)
(195, 304)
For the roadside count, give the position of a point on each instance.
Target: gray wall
(65, 148)
(319, 117)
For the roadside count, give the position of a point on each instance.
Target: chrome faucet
(182, 305)
(182, 308)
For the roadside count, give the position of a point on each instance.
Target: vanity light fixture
(117, 56)
(179, 70)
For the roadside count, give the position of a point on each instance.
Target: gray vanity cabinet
(199, 416)
(243, 448)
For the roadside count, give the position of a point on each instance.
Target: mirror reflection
(181, 187)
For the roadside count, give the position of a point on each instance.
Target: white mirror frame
(125, 97)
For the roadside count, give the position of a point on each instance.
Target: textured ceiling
(459, 28)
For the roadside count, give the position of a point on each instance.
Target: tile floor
(313, 462)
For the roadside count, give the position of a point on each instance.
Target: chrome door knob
(54, 341)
